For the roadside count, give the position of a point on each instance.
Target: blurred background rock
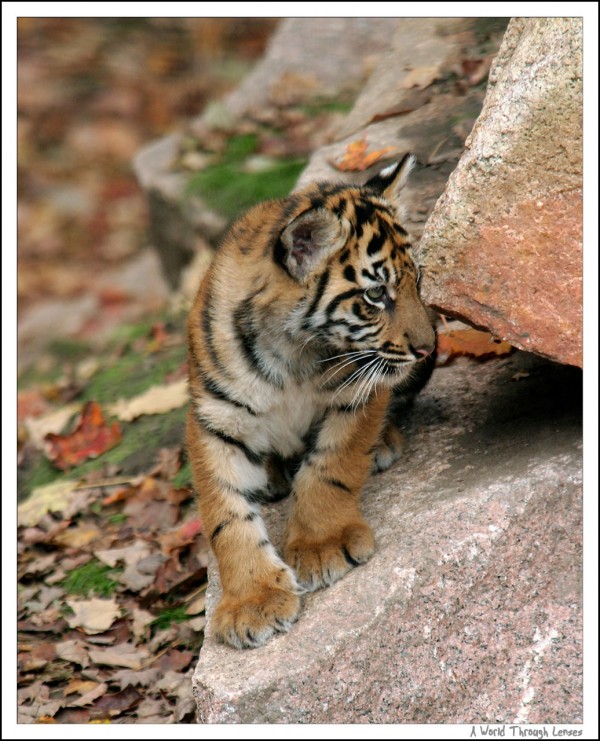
(91, 92)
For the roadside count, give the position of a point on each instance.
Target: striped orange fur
(305, 331)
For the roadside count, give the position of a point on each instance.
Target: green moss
(170, 615)
(93, 577)
(133, 374)
(183, 477)
(136, 453)
(228, 189)
(327, 106)
(66, 348)
(117, 519)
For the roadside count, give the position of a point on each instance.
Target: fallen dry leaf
(156, 400)
(125, 654)
(93, 694)
(131, 554)
(129, 678)
(79, 687)
(141, 621)
(53, 422)
(93, 615)
(30, 403)
(78, 537)
(197, 624)
(37, 691)
(110, 705)
(197, 605)
(184, 535)
(471, 342)
(421, 77)
(356, 159)
(37, 658)
(91, 437)
(74, 651)
(43, 499)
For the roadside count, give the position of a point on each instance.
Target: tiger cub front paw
(320, 563)
(250, 620)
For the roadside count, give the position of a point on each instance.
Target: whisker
(347, 354)
(365, 385)
(342, 364)
(356, 376)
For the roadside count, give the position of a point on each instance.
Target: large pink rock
(503, 246)
(470, 609)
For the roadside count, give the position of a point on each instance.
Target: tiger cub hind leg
(260, 595)
(388, 450)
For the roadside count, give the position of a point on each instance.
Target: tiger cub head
(353, 258)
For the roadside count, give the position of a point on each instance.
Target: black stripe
(400, 230)
(312, 436)
(251, 455)
(344, 256)
(338, 484)
(334, 303)
(350, 273)
(213, 388)
(340, 208)
(220, 527)
(375, 245)
(209, 340)
(247, 336)
(264, 496)
(357, 311)
(323, 280)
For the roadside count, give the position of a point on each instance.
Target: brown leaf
(356, 159)
(129, 678)
(156, 400)
(125, 654)
(73, 651)
(43, 499)
(141, 621)
(79, 687)
(184, 535)
(93, 694)
(173, 660)
(110, 705)
(169, 463)
(79, 536)
(72, 715)
(91, 437)
(197, 605)
(131, 554)
(93, 615)
(421, 77)
(410, 102)
(37, 691)
(54, 421)
(471, 342)
(30, 403)
(37, 658)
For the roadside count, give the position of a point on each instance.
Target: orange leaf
(356, 159)
(91, 437)
(471, 342)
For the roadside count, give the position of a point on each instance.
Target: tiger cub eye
(375, 293)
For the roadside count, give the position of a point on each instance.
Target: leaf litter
(134, 550)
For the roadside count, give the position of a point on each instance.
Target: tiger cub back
(306, 322)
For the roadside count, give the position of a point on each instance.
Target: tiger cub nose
(421, 352)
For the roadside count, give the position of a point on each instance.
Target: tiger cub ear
(309, 239)
(389, 181)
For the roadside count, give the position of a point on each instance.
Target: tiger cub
(307, 319)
